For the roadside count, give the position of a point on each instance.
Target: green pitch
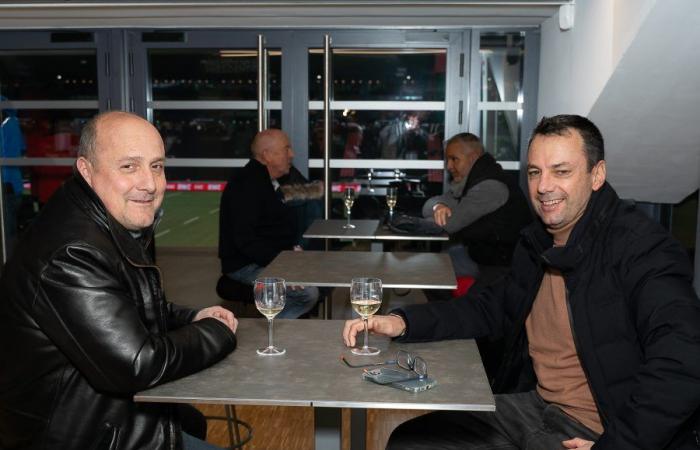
(190, 219)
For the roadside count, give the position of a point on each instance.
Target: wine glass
(391, 197)
(269, 299)
(365, 298)
(348, 199)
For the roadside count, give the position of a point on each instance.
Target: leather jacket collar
(134, 249)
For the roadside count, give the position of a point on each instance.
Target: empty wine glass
(365, 298)
(348, 199)
(269, 299)
(391, 197)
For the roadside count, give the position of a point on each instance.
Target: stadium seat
(238, 297)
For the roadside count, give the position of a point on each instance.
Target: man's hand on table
(441, 213)
(220, 314)
(391, 326)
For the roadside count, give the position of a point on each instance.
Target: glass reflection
(51, 134)
(43, 75)
(414, 186)
(210, 134)
(380, 134)
(381, 74)
(190, 219)
(502, 66)
(211, 74)
(500, 134)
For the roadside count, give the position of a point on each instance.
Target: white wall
(628, 16)
(576, 64)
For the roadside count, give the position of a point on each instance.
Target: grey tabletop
(333, 229)
(364, 229)
(312, 374)
(337, 269)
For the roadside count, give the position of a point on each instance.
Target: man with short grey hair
(483, 208)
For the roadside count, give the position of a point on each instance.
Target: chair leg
(229, 420)
(327, 306)
(234, 432)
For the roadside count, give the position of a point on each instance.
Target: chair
(234, 424)
(238, 296)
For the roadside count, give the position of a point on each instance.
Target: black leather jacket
(83, 326)
(634, 316)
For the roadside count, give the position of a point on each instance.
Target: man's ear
(599, 174)
(85, 168)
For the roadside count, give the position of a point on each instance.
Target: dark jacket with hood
(633, 312)
(84, 326)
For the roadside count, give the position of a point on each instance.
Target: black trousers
(521, 421)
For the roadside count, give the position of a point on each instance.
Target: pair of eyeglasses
(415, 365)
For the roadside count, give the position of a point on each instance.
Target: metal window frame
(528, 107)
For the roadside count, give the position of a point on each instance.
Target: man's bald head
(121, 158)
(106, 121)
(271, 148)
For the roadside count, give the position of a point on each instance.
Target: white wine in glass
(391, 197)
(348, 199)
(365, 298)
(269, 299)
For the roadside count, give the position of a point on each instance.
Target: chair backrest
(234, 291)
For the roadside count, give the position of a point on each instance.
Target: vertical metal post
(327, 126)
(262, 82)
(266, 116)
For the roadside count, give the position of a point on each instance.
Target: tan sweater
(560, 377)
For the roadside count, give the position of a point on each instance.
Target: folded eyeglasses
(405, 360)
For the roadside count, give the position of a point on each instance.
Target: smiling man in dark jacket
(84, 324)
(601, 323)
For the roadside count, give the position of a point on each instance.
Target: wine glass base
(271, 351)
(348, 225)
(365, 351)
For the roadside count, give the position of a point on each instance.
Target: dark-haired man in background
(601, 323)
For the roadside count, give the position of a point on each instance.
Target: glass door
(200, 89)
(390, 114)
(52, 84)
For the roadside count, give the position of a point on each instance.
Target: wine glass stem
(366, 333)
(348, 211)
(269, 333)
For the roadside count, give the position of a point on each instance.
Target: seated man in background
(255, 223)
(598, 312)
(483, 209)
(84, 324)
